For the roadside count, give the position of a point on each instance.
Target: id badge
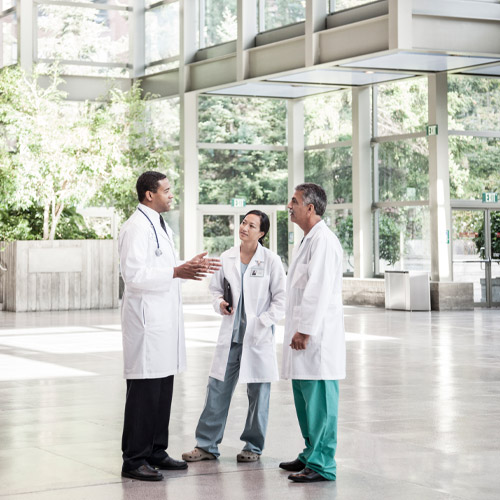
(255, 272)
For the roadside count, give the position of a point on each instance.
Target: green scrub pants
(316, 403)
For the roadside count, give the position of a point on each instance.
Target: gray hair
(313, 194)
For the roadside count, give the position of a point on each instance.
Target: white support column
(187, 43)
(439, 180)
(361, 185)
(247, 30)
(190, 174)
(273, 231)
(295, 163)
(400, 24)
(137, 39)
(26, 36)
(375, 183)
(316, 11)
(188, 148)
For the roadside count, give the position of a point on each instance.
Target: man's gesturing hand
(197, 268)
(299, 341)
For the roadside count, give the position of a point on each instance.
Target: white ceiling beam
(400, 24)
(247, 31)
(316, 13)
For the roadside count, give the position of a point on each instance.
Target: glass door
(218, 228)
(494, 232)
(476, 253)
(218, 233)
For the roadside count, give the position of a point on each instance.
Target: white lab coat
(152, 321)
(264, 292)
(314, 307)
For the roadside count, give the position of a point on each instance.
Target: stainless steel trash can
(407, 290)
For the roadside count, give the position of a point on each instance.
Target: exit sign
(238, 202)
(490, 198)
(431, 130)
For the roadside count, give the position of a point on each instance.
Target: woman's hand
(223, 308)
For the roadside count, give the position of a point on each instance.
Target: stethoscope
(158, 251)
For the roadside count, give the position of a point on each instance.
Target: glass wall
(336, 5)
(401, 176)
(403, 170)
(341, 223)
(277, 13)
(243, 154)
(403, 238)
(164, 119)
(332, 169)
(328, 162)
(218, 23)
(84, 34)
(227, 168)
(474, 143)
(8, 35)
(162, 37)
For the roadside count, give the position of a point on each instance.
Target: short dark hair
(148, 181)
(264, 223)
(315, 195)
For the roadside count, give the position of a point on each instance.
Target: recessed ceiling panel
(489, 71)
(341, 77)
(271, 90)
(410, 61)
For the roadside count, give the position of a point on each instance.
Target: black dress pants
(145, 426)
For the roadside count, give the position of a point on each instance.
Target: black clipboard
(228, 296)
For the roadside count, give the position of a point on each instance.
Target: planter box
(60, 275)
(452, 296)
(363, 292)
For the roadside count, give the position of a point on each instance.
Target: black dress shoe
(143, 473)
(293, 466)
(169, 463)
(307, 476)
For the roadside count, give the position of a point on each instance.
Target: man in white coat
(314, 345)
(152, 327)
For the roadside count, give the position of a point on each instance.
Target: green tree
(389, 231)
(473, 104)
(258, 176)
(58, 155)
(130, 145)
(51, 150)
(283, 12)
(344, 232)
(480, 240)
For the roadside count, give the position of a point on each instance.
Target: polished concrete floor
(419, 412)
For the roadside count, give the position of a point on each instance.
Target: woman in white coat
(245, 347)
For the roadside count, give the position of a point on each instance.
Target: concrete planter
(60, 275)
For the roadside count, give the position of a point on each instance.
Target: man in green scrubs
(314, 347)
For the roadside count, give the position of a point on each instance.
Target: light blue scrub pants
(212, 423)
(316, 404)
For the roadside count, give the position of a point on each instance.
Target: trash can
(407, 290)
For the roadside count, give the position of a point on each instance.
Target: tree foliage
(56, 154)
(480, 240)
(259, 176)
(474, 104)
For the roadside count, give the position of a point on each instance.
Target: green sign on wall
(490, 198)
(431, 130)
(238, 202)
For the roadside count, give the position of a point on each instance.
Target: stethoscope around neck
(158, 251)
